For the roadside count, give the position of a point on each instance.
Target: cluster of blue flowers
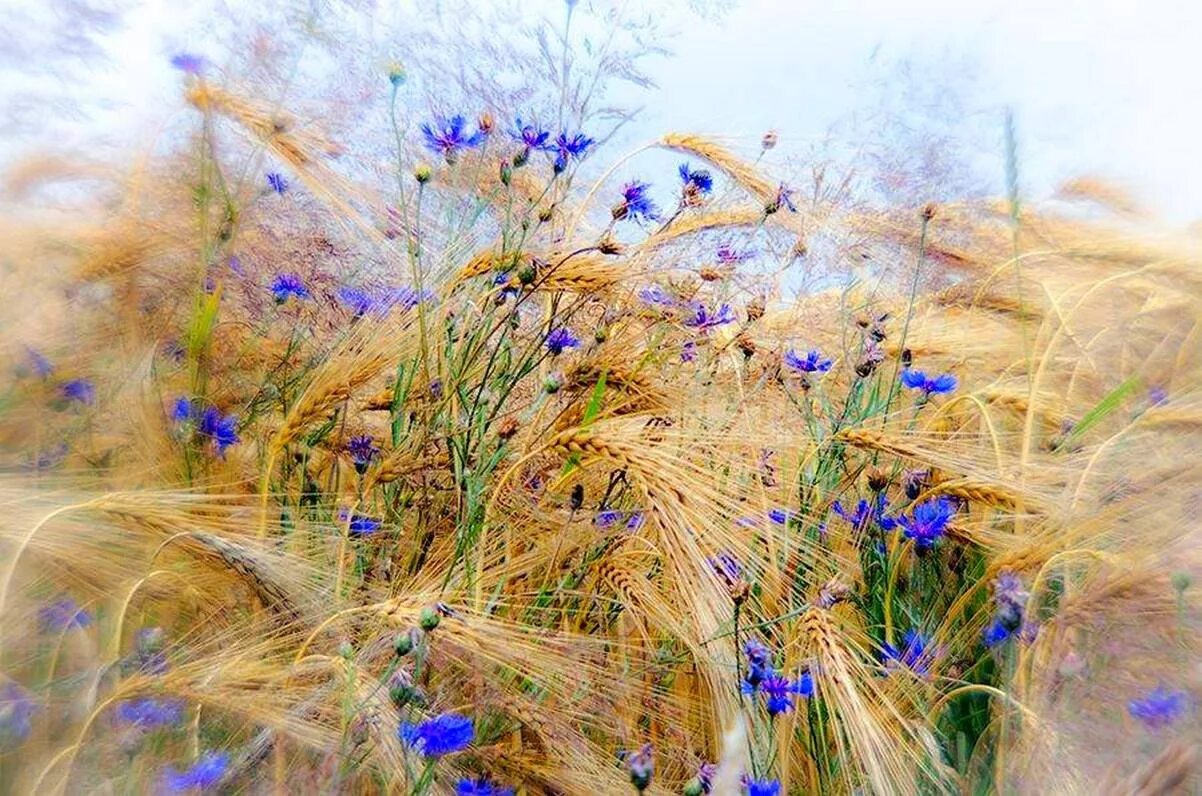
(762, 678)
(208, 423)
(929, 385)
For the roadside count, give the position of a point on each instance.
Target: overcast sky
(1102, 87)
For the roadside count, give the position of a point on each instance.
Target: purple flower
(778, 694)
(447, 137)
(362, 449)
(762, 787)
(354, 299)
(803, 686)
(702, 318)
(221, 430)
(1010, 600)
(866, 512)
(63, 614)
(635, 521)
(641, 766)
(1157, 396)
(727, 254)
(917, 380)
(182, 410)
(40, 365)
(606, 518)
(778, 515)
(727, 568)
(362, 525)
(148, 712)
(441, 735)
(561, 338)
(16, 709)
(655, 295)
(288, 285)
(1159, 707)
(759, 665)
(205, 773)
(917, 655)
(695, 181)
(812, 362)
(783, 198)
(79, 391)
(277, 182)
(688, 351)
(928, 521)
(480, 787)
(705, 776)
(570, 148)
(189, 63)
(530, 135)
(635, 204)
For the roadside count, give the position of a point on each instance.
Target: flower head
(189, 63)
(207, 772)
(778, 694)
(288, 285)
(480, 787)
(569, 148)
(356, 300)
(148, 712)
(702, 318)
(917, 655)
(606, 518)
(783, 198)
(917, 380)
(695, 183)
(762, 787)
(560, 339)
(530, 135)
(16, 709)
(1158, 708)
(362, 450)
(444, 734)
(812, 362)
(635, 204)
(928, 521)
(38, 363)
(221, 430)
(727, 254)
(182, 410)
(866, 512)
(447, 137)
(688, 351)
(656, 295)
(63, 614)
(641, 766)
(277, 182)
(80, 391)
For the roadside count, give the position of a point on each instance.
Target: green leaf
(1102, 409)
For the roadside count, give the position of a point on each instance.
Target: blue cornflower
(442, 735)
(783, 198)
(447, 137)
(812, 362)
(148, 712)
(656, 295)
(917, 655)
(221, 430)
(928, 521)
(606, 518)
(803, 686)
(79, 391)
(696, 182)
(480, 787)
(63, 614)
(1159, 707)
(530, 135)
(778, 515)
(206, 772)
(762, 787)
(727, 568)
(702, 318)
(355, 300)
(569, 148)
(727, 254)
(917, 380)
(40, 365)
(362, 449)
(778, 694)
(759, 665)
(705, 776)
(866, 512)
(16, 709)
(1010, 601)
(277, 182)
(182, 410)
(641, 766)
(362, 525)
(635, 521)
(561, 338)
(688, 351)
(1157, 396)
(189, 63)
(635, 203)
(288, 285)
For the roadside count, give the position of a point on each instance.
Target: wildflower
(561, 338)
(915, 481)
(422, 173)
(928, 521)
(705, 776)
(355, 300)
(695, 184)
(569, 148)
(635, 203)
(917, 380)
(40, 365)
(803, 686)
(769, 140)
(726, 567)
(362, 449)
(606, 518)
(147, 712)
(189, 63)
(727, 254)
(866, 512)
(444, 734)
(688, 351)
(530, 136)
(277, 182)
(1159, 707)
(359, 524)
(1010, 600)
(485, 123)
(778, 693)
(16, 709)
(288, 285)
(762, 787)
(917, 655)
(702, 318)
(641, 766)
(480, 787)
(206, 772)
(221, 430)
(783, 198)
(812, 362)
(80, 391)
(635, 521)
(656, 295)
(63, 614)
(759, 665)
(447, 137)
(396, 74)
(182, 411)
(778, 515)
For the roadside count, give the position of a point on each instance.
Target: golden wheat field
(454, 466)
